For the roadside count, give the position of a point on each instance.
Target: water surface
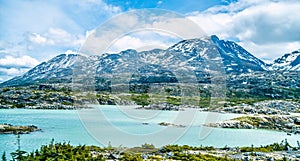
(129, 127)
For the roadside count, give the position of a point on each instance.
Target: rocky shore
(286, 123)
(268, 107)
(10, 129)
(166, 107)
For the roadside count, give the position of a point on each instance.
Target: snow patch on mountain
(288, 62)
(203, 55)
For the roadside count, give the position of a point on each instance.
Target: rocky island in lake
(11, 129)
(170, 124)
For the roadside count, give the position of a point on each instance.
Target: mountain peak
(189, 54)
(296, 51)
(214, 38)
(289, 61)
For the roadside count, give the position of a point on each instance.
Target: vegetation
(42, 96)
(62, 152)
(145, 148)
(141, 99)
(4, 157)
(284, 145)
(174, 100)
(178, 148)
(57, 96)
(65, 151)
(252, 120)
(10, 129)
(105, 99)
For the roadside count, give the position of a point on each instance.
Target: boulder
(297, 121)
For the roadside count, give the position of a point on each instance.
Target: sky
(33, 31)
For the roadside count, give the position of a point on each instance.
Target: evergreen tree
(3, 157)
(18, 154)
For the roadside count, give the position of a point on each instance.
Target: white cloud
(13, 66)
(267, 28)
(36, 38)
(168, 23)
(159, 3)
(56, 37)
(138, 43)
(44, 29)
(13, 71)
(71, 52)
(106, 7)
(23, 61)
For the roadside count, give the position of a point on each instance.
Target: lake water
(129, 127)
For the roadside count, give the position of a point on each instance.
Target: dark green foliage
(174, 100)
(63, 151)
(148, 146)
(145, 149)
(5, 89)
(19, 105)
(105, 99)
(178, 148)
(102, 84)
(131, 157)
(33, 96)
(284, 145)
(18, 155)
(141, 99)
(4, 157)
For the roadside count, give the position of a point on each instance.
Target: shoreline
(282, 123)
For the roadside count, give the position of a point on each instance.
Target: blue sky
(33, 31)
(181, 6)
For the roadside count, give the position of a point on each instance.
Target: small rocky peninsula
(11, 129)
(286, 123)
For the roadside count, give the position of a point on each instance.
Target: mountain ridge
(289, 61)
(192, 54)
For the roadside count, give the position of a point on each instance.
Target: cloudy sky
(33, 31)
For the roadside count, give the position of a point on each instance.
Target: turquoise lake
(127, 126)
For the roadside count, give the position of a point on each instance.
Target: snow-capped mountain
(236, 58)
(288, 62)
(59, 68)
(200, 57)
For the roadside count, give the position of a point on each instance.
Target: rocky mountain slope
(199, 56)
(288, 62)
(58, 69)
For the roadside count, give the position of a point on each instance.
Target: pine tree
(18, 154)
(4, 157)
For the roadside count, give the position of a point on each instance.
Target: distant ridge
(190, 54)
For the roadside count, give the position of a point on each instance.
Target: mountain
(200, 57)
(236, 58)
(58, 69)
(288, 62)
